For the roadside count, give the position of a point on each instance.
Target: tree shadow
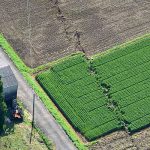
(10, 122)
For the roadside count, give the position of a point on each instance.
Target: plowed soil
(59, 28)
(122, 141)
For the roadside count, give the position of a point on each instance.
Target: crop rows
(127, 72)
(76, 92)
(103, 94)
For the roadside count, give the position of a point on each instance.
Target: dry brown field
(100, 24)
(120, 140)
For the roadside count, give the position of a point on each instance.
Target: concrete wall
(10, 93)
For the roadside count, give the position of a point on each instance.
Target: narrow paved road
(43, 118)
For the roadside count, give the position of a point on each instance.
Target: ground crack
(111, 103)
(76, 34)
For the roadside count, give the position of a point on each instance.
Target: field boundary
(44, 67)
(117, 47)
(27, 74)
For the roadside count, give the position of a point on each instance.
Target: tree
(2, 107)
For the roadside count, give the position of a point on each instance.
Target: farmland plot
(101, 24)
(76, 92)
(105, 23)
(127, 72)
(107, 93)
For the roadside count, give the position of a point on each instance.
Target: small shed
(10, 84)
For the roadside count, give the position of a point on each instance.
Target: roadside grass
(13, 56)
(19, 139)
(27, 120)
(27, 73)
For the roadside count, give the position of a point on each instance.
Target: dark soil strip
(76, 35)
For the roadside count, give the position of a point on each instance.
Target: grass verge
(26, 72)
(17, 136)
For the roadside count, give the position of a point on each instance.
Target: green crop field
(127, 72)
(77, 94)
(106, 93)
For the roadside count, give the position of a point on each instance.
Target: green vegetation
(13, 56)
(77, 94)
(27, 73)
(113, 93)
(45, 139)
(110, 92)
(2, 107)
(19, 139)
(126, 71)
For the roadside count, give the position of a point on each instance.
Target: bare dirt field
(120, 140)
(61, 27)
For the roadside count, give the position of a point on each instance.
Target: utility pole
(32, 118)
(31, 63)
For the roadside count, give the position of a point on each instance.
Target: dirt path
(43, 118)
